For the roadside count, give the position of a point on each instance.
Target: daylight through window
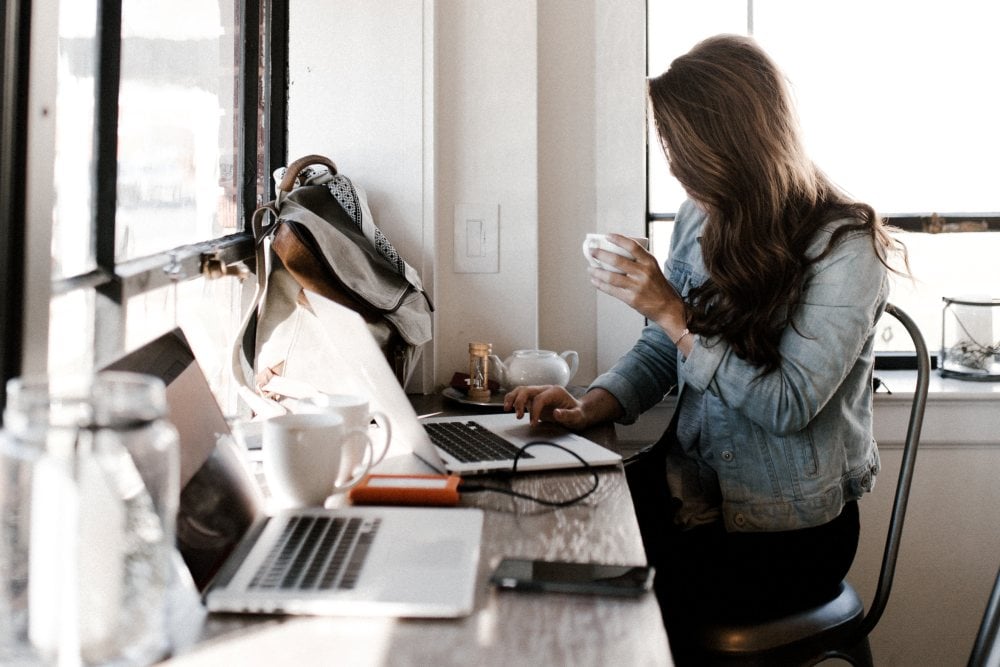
(895, 107)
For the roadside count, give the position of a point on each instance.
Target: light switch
(477, 238)
(474, 238)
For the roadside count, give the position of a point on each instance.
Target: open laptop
(359, 561)
(355, 364)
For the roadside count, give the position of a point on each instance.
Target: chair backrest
(891, 553)
(986, 650)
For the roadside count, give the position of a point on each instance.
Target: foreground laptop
(409, 562)
(355, 364)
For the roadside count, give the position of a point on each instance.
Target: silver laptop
(359, 561)
(355, 364)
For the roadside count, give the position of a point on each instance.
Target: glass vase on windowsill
(970, 338)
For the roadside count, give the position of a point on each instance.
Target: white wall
(39, 190)
(486, 125)
(950, 548)
(950, 552)
(620, 181)
(356, 92)
(591, 167)
(428, 105)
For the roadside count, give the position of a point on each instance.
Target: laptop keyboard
(317, 553)
(468, 441)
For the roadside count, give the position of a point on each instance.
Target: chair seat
(815, 626)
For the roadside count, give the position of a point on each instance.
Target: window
(13, 116)
(895, 107)
(164, 132)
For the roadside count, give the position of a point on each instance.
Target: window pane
(72, 224)
(898, 107)
(952, 265)
(897, 98)
(177, 124)
(71, 333)
(673, 28)
(209, 312)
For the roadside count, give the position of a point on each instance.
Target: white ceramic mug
(601, 241)
(303, 456)
(357, 416)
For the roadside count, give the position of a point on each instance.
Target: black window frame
(263, 71)
(14, 60)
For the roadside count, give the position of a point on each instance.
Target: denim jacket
(791, 447)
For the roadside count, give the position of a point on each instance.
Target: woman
(764, 319)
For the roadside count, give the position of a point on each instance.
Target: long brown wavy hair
(730, 133)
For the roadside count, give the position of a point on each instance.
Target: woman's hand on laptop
(548, 402)
(552, 403)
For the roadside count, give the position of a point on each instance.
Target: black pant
(709, 573)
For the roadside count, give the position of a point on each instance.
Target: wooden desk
(505, 628)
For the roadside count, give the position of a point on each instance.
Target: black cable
(465, 487)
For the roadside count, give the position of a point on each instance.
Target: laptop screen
(219, 498)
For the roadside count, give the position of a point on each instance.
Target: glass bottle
(89, 492)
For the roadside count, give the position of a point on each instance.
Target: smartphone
(572, 577)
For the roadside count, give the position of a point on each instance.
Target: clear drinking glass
(89, 477)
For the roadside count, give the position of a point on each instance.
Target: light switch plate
(477, 238)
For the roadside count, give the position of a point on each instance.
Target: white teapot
(525, 367)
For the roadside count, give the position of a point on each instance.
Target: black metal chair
(986, 650)
(839, 628)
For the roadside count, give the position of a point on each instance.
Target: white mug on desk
(357, 415)
(303, 456)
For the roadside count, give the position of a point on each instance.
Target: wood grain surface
(513, 629)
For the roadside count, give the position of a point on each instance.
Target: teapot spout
(498, 370)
